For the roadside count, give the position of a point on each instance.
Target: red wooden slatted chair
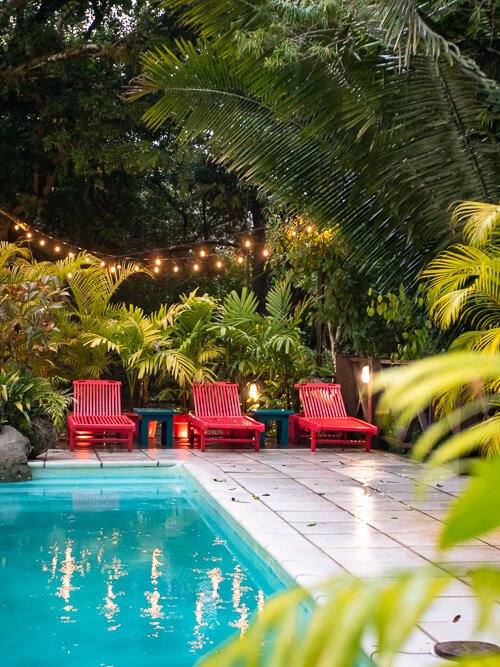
(324, 412)
(218, 418)
(97, 414)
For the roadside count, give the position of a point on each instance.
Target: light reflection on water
(154, 575)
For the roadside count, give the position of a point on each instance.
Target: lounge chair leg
(256, 440)
(71, 440)
(368, 442)
(313, 441)
(129, 437)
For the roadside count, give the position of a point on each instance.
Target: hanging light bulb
(157, 262)
(248, 243)
(309, 229)
(70, 275)
(136, 268)
(203, 253)
(16, 227)
(365, 374)
(294, 233)
(57, 248)
(156, 269)
(29, 235)
(119, 267)
(71, 254)
(265, 252)
(219, 264)
(42, 242)
(113, 269)
(87, 260)
(103, 263)
(240, 260)
(196, 267)
(176, 269)
(253, 392)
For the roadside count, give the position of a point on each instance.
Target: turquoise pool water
(125, 572)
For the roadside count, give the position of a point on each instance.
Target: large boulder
(14, 448)
(44, 436)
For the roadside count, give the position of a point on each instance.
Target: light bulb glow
(365, 374)
(71, 254)
(103, 263)
(119, 266)
(16, 227)
(203, 253)
(248, 243)
(176, 269)
(157, 262)
(136, 268)
(219, 264)
(309, 229)
(196, 267)
(240, 260)
(113, 269)
(253, 392)
(29, 235)
(57, 248)
(70, 275)
(156, 269)
(265, 253)
(42, 242)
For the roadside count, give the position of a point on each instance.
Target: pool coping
(229, 476)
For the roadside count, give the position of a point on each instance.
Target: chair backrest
(216, 399)
(97, 397)
(321, 401)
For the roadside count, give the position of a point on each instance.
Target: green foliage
(377, 133)
(23, 397)
(406, 322)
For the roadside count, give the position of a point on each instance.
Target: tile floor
(333, 512)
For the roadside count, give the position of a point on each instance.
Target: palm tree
(361, 114)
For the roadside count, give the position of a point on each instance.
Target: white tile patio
(334, 512)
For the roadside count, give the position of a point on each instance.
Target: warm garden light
(294, 233)
(57, 248)
(365, 374)
(16, 227)
(103, 263)
(156, 269)
(309, 229)
(29, 235)
(196, 267)
(248, 244)
(113, 269)
(157, 262)
(70, 275)
(42, 242)
(253, 392)
(71, 254)
(119, 267)
(176, 269)
(202, 253)
(136, 268)
(219, 264)
(240, 260)
(265, 253)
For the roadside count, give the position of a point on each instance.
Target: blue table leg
(142, 432)
(282, 434)
(167, 432)
(263, 436)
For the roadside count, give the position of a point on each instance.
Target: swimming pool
(121, 572)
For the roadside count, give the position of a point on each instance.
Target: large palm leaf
(303, 125)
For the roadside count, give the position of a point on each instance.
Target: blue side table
(281, 417)
(166, 417)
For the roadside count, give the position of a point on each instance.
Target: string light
(309, 229)
(16, 227)
(29, 235)
(42, 242)
(219, 264)
(240, 260)
(136, 268)
(176, 269)
(265, 252)
(294, 233)
(57, 248)
(156, 269)
(248, 244)
(71, 254)
(112, 269)
(119, 267)
(196, 267)
(103, 263)
(157, 262)
(202, 253)
(70, 275)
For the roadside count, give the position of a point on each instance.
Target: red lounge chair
(97, 414)
(324, 412)
(217, 410)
